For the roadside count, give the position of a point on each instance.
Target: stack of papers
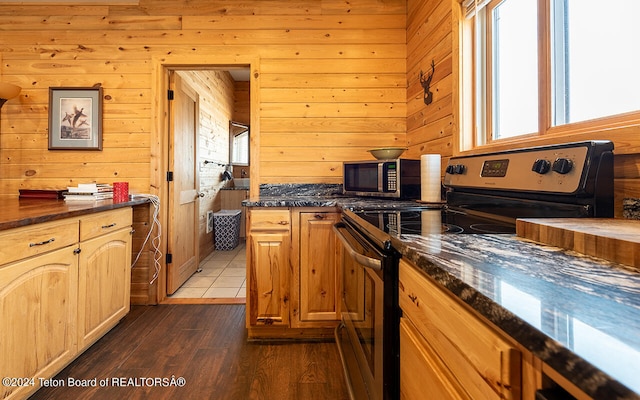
(89, 192)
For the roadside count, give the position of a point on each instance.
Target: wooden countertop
(616, 240)
(15, 212)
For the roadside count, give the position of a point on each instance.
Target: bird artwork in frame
(75, 118)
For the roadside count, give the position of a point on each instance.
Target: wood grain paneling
(328, 67)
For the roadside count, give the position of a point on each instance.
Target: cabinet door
(268, 269)
(37, 318)
(421, 370)
(319, 289)
(482, 360)
(104, 284)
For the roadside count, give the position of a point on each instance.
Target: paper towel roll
(430, 185)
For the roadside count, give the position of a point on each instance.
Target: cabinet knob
(319, 216)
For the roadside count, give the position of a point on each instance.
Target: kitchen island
(578, 315)
(65, 279)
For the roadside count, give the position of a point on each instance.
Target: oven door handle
(368, 262)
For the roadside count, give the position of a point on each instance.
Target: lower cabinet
(293, 288)
(62, 296)
(38, 299)
(268, 268)
(442, 340)
(421, 368)
(268, 278)
(103, 284)
(316, 289)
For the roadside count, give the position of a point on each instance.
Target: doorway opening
(204, 105)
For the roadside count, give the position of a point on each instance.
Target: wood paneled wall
(336, 78)
(332, 79)
(430, 39)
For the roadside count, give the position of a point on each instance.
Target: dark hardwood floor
(207, 346)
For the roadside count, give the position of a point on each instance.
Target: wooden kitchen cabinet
(38, 299)
(292, 277)
(104, 273)
(268, 268)
(461, 354)
(316, 284)
(57, 278)
(421, 368)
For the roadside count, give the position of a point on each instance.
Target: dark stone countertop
(578, 314)
(16, 212)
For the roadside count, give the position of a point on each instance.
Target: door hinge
(169, 258)
(170, 94)
(169, 176)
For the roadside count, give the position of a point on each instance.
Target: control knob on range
(562, 165)
(454, 169)
(541, 166)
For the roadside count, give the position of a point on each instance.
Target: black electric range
(486, 193)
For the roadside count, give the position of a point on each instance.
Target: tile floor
(223, 275)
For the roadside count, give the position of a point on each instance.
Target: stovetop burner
(428, 221)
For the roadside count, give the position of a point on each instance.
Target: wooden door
(183, 189)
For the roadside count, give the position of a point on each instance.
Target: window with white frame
(531, 67)
(240, 149)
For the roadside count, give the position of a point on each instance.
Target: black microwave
(398, 178)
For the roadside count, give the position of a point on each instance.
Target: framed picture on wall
(75, 118)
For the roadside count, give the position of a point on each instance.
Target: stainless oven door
(360, 336)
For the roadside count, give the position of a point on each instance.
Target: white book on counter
(90, 188)
(88, 196)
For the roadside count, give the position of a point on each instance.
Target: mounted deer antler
(428, 96)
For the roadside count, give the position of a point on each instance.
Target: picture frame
(75, 118)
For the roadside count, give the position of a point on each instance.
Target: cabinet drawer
(104, 222)
(270, 220)
(485, 363)
(24, 242)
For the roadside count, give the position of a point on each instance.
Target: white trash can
(226, 226)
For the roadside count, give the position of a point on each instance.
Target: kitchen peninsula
(575, 318)
(65, 279)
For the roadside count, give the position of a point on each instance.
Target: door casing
(221, 58)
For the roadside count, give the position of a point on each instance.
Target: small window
(239, 149)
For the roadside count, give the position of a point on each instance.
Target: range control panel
(554, 169)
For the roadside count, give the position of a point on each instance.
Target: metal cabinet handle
(109, 226)
(42, 243)
(368, 262)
